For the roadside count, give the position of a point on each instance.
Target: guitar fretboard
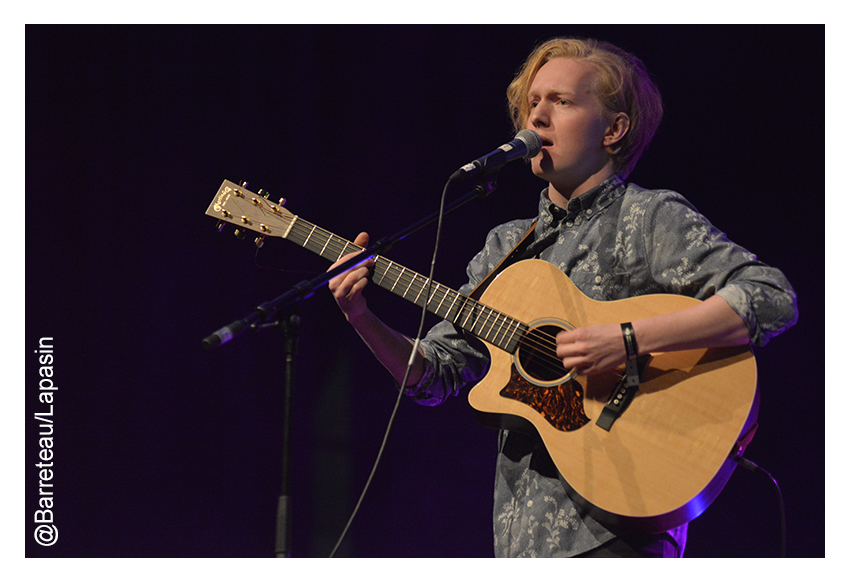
(482, 321)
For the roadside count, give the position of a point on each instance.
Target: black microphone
(225, 334)
(526, 144)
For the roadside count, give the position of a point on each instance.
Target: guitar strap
(509, 259)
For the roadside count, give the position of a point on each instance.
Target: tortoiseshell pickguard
(560, 405)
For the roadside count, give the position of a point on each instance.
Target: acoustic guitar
(643, 460)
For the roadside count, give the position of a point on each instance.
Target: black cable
(752, 467)
(406, 372)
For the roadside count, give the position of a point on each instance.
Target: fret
(452, 295)
(406, 289)
(342, 250)
(347, 244)
(457, 307)
(316, 245)
(471, 313)
(389, 266)
(322, 252)
(379, 264)
(514, 334)
(395, 276)
(491, 320)
(464, 302)
(488, 324)
(446, 294)
(420, 284)
(421, 289)
(392, 289)
(415, 283)
(448, 315)
(307, 240)
(390, 277)
(504, 328)
(347, 248)
(468, 309)
(497, 327)
(436, 290)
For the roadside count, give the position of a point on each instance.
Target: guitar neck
(470, 315)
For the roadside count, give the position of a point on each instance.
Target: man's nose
(539, 116)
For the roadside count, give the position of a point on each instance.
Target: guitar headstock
(249, 211)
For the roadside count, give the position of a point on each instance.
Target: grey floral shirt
(615, 241)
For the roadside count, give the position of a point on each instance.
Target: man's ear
(616, 131)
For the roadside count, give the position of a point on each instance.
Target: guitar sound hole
(536, 354)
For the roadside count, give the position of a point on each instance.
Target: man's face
(566, 112)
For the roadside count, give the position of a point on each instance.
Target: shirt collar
(588, 204)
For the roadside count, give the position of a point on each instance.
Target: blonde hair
(623, 85)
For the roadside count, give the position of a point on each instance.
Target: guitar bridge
(620, 398)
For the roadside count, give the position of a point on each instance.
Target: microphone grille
(532, 142)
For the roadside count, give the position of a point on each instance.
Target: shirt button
(569, 223)
(598, 278)
(589, 211)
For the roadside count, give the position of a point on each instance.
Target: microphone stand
(291, 327)
(266, 316)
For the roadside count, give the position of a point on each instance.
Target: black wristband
(630, 340)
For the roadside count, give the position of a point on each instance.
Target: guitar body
(667, 457)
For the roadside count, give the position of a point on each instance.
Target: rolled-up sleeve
(689, 256)
(452, 361)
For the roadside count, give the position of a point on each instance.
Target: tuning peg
(239, 233)
(260, 241)
(238, 192)
(282, 202)
(220, 225)
(263, 193)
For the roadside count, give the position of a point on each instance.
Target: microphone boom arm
(305, 289)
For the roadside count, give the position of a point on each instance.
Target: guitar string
(502, 319)
(541, 344)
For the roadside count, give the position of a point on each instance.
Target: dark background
(162, 449)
